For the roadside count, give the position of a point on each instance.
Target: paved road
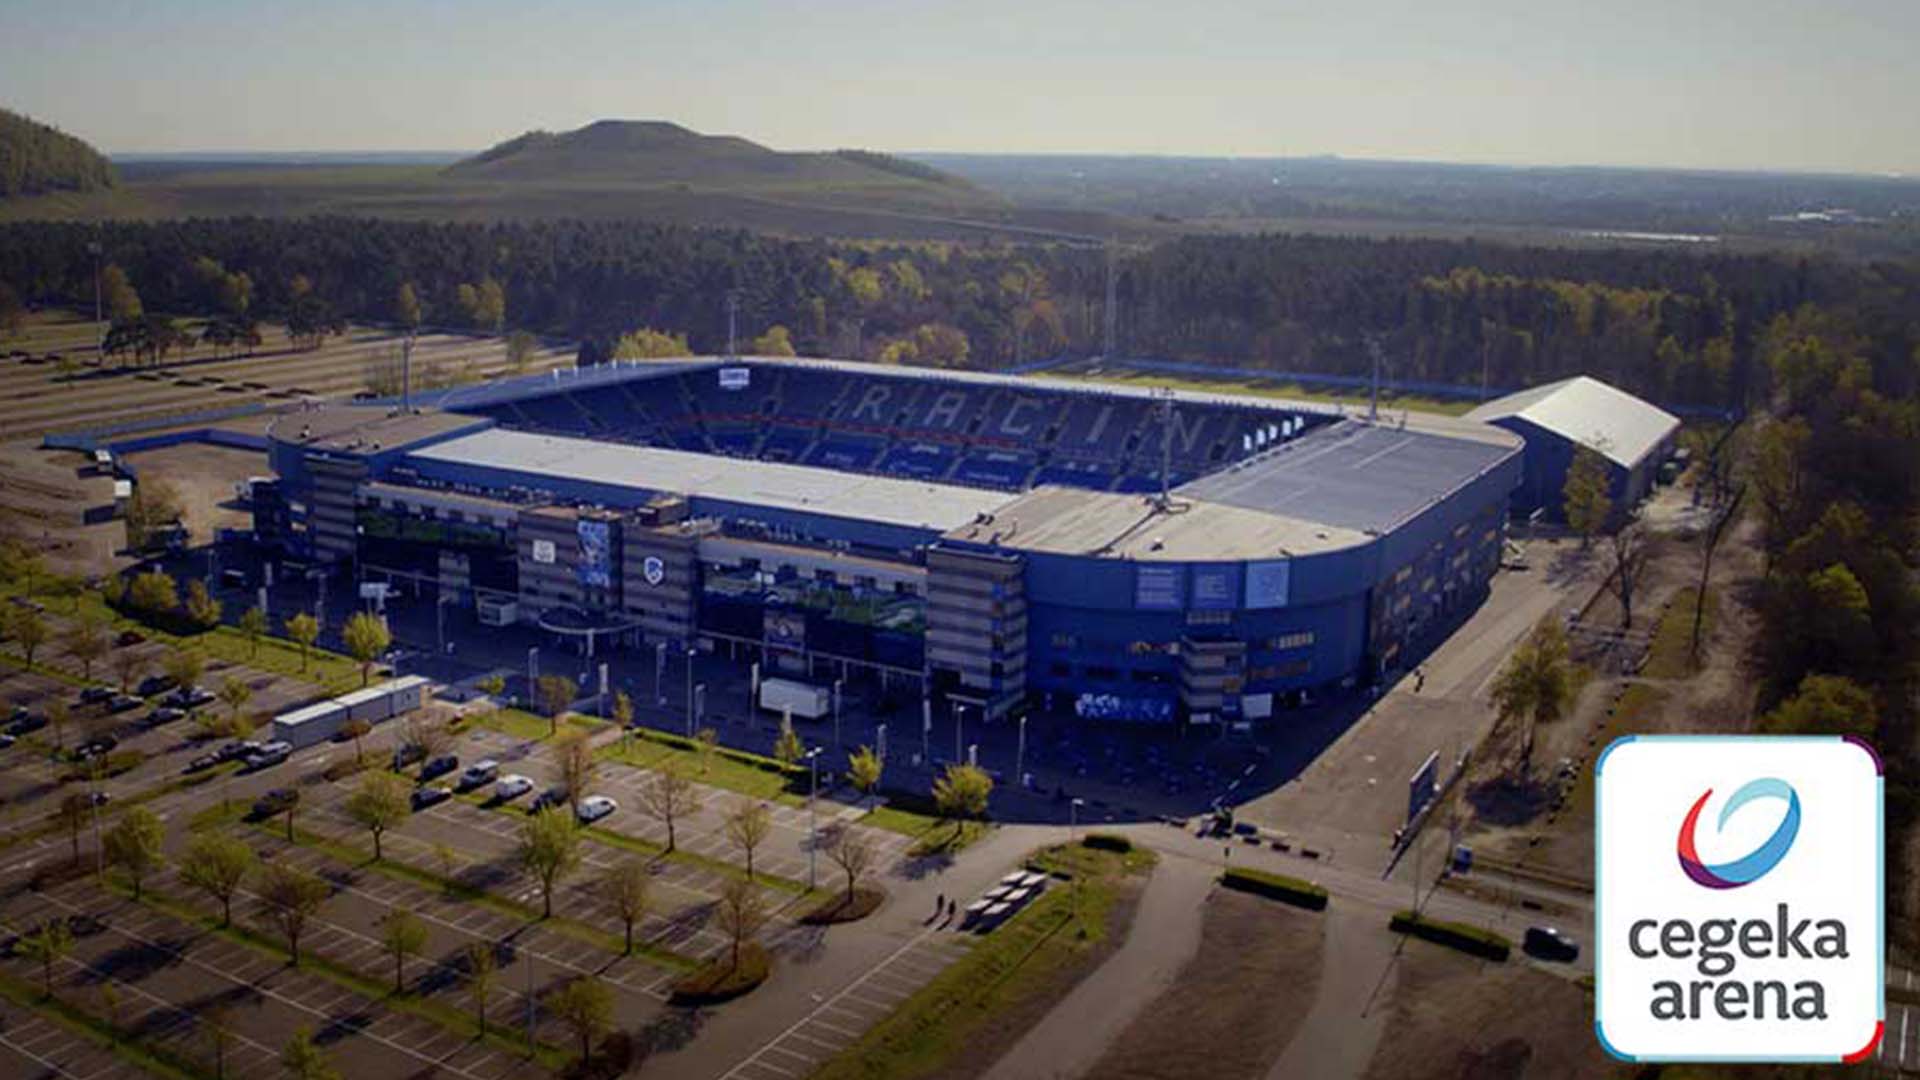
(1165, 935)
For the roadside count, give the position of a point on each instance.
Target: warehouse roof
(1353, 475)
(1587, 411)
(804, 488)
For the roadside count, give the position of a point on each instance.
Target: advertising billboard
(1267, 583)
(735, 378)
(596, 553)
(1216, 588)
(1160, 588)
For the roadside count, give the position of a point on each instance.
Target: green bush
(1108, 842)
(114, 764)
(1290, 890)
(1468, 939)
(719, 980)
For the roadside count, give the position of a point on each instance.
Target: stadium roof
(1075, 521)
(1358, 476)
(366, 429)
(804, 488)
(1588, 412)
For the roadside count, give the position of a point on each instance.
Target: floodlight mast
(1111, 311)
(1165, 394)
(733, 308)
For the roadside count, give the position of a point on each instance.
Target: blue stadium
(998, 543)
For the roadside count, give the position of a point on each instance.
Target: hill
(36, 158)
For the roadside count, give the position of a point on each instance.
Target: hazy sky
(1818, 84)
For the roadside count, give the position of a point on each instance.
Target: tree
(1825, 705)
(480, 975)
(304, 1060)
(154, 506)
(742, 912)
(622, 709)
(962, 792)
(647, 343)
(234, 694)
(378, 804)
(29, 632)
(289, 897)
(356, 730)
(1628, 549)
(59, 715)
(852, 850)
(705, 742)
(217, 865)
(303, 630)
(367, 638)
(407, 310)
(253, 626)
(432, 739)
(520, 349)
(123, 303)
(87, 642)
(402, 935)
(586, 1005)
(747, 824)
(1724, 514)
(549, 850)
(573, 757)
(556, 692)
(184, 667)
(669, 795)
(1588, 492)
(863, 770)
(216, 1027)
(493, 685)
(48, 942)
(1535, 685)
(627, 887)
(777, 341)
(129, 664)
(153, 593)
(133, 844)
(73, 813)
(290, 807)
(787, 748)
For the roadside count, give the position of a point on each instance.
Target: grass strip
(1670, 654)
(454, 1020)
(1024, 956)
(149, 1058)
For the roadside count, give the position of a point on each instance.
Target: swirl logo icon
(1754, 865)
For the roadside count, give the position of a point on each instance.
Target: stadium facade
(1127, 554)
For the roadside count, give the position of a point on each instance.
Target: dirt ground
(1236, 1004)
(204, 476)
(1452, 1016)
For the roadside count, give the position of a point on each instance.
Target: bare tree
(1723, 516)
(1628, 549)
(573, 756)
(669, 795)
(290, 897)
(747, 825)
(853, 852)
(742, 913)
(628, 888)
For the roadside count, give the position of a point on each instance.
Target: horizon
(1503, 84)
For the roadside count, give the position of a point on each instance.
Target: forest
(36, 158)
(1681, 328)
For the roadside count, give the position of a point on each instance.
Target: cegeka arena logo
(1739, 899)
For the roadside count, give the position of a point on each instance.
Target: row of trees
(1670, 325)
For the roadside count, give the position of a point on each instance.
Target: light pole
(880, 743)
(926, 731)
(533, 669)
(699, 705)
(838, 684)
(660, 674)
(1020, 756)
(99, 328)
(1073, 830)
(689, 691)
(813, 832)
(958, 711)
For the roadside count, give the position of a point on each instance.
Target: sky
(1829, 85)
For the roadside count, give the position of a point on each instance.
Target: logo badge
(1738, 904)
(654, 569)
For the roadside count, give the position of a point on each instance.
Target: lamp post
(813, 832)
(1073, 830)
(659, 674)
(689, 691)
(880, 743)
(1020, 757)
(533, 670)
(959, 710)
(838, 685)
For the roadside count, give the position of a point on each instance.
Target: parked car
(404, 756)
(23, 724)
(277, 801)
(19, 713)
(479, 773)
(204, 761)
(1548, 943)
(94, 694)
(129, 638)
(424, 797)
(94, 747)
(270, 754)
(190, 697)
(120, 703)
(5, 740)
(154, 684)
(511, 786)
(439, 766)
(240, 750)
(165, 714)
(595, 807)
(553, 796)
